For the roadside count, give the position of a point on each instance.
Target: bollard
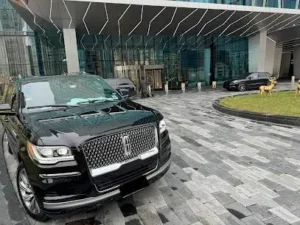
(214, 84)
(183, 87)
(293, 80)
(149, 90)
(199, 86)
(167, 89)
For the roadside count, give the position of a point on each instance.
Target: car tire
(27, 195)
(242, 87)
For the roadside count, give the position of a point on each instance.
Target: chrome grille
(109, 149)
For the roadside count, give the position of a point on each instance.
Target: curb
(286, 120)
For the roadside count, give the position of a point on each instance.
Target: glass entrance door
(154, 77)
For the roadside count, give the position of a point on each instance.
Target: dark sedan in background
(122, 85)
(252, 81)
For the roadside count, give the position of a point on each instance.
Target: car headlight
(234, 82)
(162, 126)
(49, 154)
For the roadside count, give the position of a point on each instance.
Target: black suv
(79, 143)
(250, 81)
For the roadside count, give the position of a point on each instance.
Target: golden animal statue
(268, 89)
(298, 88)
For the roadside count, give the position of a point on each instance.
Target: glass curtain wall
(290, 4)
(164, 58)
(23, 52)
(17, 44)
(51, 53)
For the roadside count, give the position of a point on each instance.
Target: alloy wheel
(242, 87)
(27, 194)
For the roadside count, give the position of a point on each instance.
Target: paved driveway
(225, 170)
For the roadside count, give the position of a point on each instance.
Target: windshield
(67, 91)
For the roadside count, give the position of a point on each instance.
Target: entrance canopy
(160, 17)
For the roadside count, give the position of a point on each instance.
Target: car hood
(73, 126)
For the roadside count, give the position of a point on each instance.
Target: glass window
(258, 2)
(272, 3)
(291, 4)
(262, 75)
(252, 76)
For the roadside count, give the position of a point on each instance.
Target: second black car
(251, 81)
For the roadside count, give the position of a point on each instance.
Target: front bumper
(115, 194)
(230, 86)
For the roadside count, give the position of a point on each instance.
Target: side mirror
(5, 110)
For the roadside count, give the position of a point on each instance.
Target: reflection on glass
(291, 4)
(272, 3)
(167, 58)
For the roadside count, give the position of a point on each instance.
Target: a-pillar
(70, 41)
(264, 55)
(296, 57)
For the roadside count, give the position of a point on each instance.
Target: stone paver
(225, 171)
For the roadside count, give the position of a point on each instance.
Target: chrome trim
(58, 175)
(79, 203)
(117, 186)
(148, 154)
(116, 166)
(55, 198)
(160, 170)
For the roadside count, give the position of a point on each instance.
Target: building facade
(169, 41)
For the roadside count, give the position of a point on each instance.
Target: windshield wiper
(95, 101)
(51, 106)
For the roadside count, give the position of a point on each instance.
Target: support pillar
(296, 57)
(262, 54)
(285, 65)
(70, 41)
(277, 61)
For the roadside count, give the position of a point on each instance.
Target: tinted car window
(253, 76)
(263, 75)
(67, 90)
